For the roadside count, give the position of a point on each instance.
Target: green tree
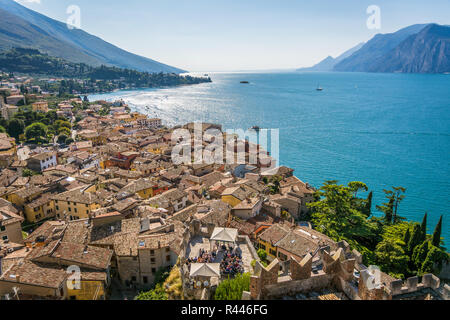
(161, 275)
(262, 254)
(62, 124)
(28, 173)
(336, 215)
(232, 289)
(158, 292)
(414, 241)
(434, 261)
(398, 197)
(423, 227)
(420, 253)
(62, 138)
(155, 294)
(2, 129)
(16, 128)
(406, 238)
(64, 131)
(387, 208)
(391, 257)
(436, 240)
(275, 184)
(356, 186)
(368, 206)
(36, 132)
(390, 208)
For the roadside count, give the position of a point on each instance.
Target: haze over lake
(383, 129)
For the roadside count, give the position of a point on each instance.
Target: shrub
(232, 289)
(156, 294)
(262, 254)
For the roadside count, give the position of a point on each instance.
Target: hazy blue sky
(219, 35)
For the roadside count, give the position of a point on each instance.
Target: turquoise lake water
(383, 129)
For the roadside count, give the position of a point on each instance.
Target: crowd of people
(203, 257)
(231, 264)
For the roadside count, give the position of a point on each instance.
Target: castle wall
(293, 287)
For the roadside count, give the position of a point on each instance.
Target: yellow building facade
(89, 290)
(39, 210)
(40, 106)
(231, 200)
(268, 248)
(74, 210)
(23, 196)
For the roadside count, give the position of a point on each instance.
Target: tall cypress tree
(389, 213)
(420, 253)
(406, 238)
(437, 234)
(415, 238)
(368, 206)
(423, 227)
(388, 207)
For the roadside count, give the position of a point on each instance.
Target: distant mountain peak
(329, 62)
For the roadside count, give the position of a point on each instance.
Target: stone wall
(289, 288)
(127, 268)
(251, 248)
(272, 208)
(412, 284)
(337, 272)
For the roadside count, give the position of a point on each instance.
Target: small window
(168, 258)
(5, 238)
(152, 260)
(167, 249)
(2, 228)
(152, 252)
(153, 270)
(133, 278)
(145, 279)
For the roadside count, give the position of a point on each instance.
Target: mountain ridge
(74, 45)
(374, 50)
(329, 62)
(419, 48)
(426, 52)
